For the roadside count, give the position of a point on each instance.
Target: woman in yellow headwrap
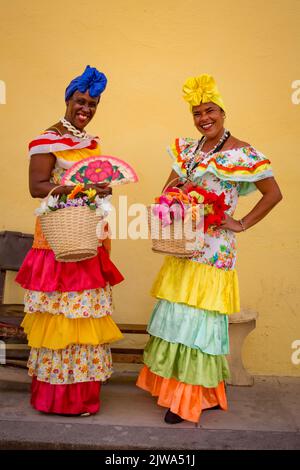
(185, 364)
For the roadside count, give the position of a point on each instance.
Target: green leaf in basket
(63, 198)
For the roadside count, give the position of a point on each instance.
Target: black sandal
(172, 418)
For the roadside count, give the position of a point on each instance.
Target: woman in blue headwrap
(68, 306)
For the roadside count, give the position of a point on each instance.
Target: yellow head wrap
(202, 89)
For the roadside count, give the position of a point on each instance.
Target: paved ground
(265, 416)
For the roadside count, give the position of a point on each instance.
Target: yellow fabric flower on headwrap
(202, 89)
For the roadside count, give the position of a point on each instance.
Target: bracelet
(241, 222)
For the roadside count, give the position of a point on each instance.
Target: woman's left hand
(229, 223)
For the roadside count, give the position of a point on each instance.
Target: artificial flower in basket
(69, 222)
(214, 205)
(171, 205)
(178, 205)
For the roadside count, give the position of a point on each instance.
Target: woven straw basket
(180, 240)
(71, 232)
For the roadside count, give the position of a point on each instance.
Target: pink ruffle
(65, 399)
(41, 272)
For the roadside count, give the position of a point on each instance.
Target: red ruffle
(65, 399)
(41, 272)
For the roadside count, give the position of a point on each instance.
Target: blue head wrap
(91, 80)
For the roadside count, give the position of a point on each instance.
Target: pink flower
(178, 210)
(99, 171)
(167, 213)
(163, 212)
(219, 264)
(165, 199)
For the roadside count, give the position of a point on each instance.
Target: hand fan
(100, 169)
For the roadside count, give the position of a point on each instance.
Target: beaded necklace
(193, 162)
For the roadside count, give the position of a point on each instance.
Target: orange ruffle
(185, 400)
(39, 240)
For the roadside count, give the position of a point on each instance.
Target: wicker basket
(179, 239)
(71, 232)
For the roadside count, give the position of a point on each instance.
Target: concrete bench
(240, 325)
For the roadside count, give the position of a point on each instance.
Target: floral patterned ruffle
(76, 363)
(244, 165)
(95, 303)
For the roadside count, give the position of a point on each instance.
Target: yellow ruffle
(79, 154)
(57, 332)
(198, 285)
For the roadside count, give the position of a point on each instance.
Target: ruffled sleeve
(181, 150)
(51, 142)
(245, 165)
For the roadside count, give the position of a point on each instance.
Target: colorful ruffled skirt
(69, 327)
(184, 360)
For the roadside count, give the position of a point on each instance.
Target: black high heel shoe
(172, 418)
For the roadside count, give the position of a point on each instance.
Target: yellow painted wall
(147, 49)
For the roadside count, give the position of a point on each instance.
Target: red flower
(215, 202)
(99, 171)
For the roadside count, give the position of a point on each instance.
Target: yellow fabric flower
(202, 89)
(91, 193)
(199, 197)
(208, 209)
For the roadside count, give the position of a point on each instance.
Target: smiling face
(209, 119)
(81, 108)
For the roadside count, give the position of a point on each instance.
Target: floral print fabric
(219, 248)
(76, 363)
(95, 303)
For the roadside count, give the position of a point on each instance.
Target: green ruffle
(187, 365)
(193, 327)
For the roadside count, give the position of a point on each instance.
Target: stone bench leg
(237, 334)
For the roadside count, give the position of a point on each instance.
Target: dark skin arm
(271, 195)
(40, 168)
